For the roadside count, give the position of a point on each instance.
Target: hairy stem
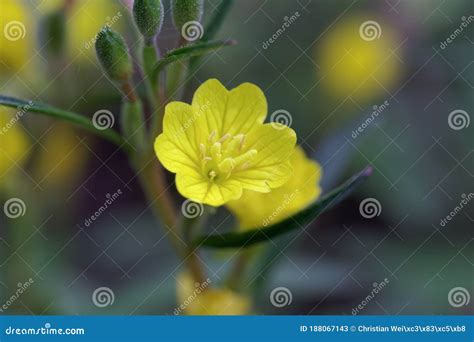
(152, 179)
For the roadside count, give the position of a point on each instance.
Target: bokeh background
(323, 70)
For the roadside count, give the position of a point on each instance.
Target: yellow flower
(84, 21)
(219, 302)
(62, 159)
(13, 144)
(16, 34)
(254, 209)
(219, 145)
(357, 62)
(201, 299)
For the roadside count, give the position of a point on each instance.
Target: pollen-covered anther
(221, 156)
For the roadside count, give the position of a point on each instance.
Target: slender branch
(33, 107)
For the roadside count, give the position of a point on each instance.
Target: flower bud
(148, 16)
(112, 53)
(186, 10)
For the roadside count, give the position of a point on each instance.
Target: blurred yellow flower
(61, 159)
(219, 145)
(255, 209)
(357, 58)
(84, 20)
(16, 36)
(201, 299)
(13, 144)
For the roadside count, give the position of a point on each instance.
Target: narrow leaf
(61, 114)
(301, 219)
(217, 19)
(189, 51)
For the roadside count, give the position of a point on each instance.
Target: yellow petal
(194, 185)
(256, 209)
(229, 112)
(177, 148)
(219, 302)
(201, 299)
(270, 168)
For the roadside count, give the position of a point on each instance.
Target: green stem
(150, 58)
(152, 179)
(77, 119)
(188, 227)
(239, 270)
(210, 31)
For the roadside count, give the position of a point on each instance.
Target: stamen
(211, 136)
(212, 175)
(216, 151)
(221, 157)
(224, 138)
(202, 149)
(227, 165)
(242, 140)
(246, 157)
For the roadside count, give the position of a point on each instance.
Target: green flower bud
(148, 15)
(185, 11)
(112, 53)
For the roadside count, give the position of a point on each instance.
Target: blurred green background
(313, 60)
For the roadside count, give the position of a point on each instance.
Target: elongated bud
(185, 11)
(148, 16)
(112, 53)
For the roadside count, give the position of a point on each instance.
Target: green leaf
(58, 113)
(217, 19)
(189, 51)
(301, 219)
(210, 30)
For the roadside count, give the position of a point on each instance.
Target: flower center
(221, 156)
